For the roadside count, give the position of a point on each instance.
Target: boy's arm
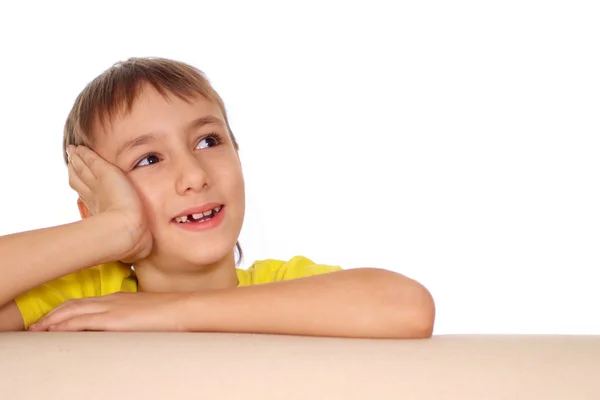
(371, 303)
(29, 259)
(115, 230)
(10, 318)
(353, 303)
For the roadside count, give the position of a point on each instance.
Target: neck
(154, 276)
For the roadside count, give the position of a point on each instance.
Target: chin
(198, 248)
(211, 257)
(202, 254)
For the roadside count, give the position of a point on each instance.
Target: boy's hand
(126, 312)
(105, 189)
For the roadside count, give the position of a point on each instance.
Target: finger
(52, 316)
(94, 162)
(81, 167)
(86, 322)
(66, 311)
(77, 184)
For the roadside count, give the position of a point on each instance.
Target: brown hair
(116, 89)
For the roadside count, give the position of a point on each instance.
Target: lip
(202, 226)
(199, 209)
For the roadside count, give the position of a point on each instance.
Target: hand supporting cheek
(105, 189)
(123, 312)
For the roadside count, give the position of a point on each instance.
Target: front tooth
(206, 213)
(197, 216)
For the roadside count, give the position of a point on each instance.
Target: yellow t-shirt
(116, 277)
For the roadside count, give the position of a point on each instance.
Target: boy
(151, 155)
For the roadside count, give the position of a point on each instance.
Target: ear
(83, 210)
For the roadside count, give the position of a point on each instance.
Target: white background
(456, 142)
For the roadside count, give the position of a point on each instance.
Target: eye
(211, 140)
(148, 160)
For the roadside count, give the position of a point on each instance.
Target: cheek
(233, 182)
(240, 188)
(151, 194)
(225, 172)
(238, 195)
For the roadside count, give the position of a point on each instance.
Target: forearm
(353, 303)
(29, 259)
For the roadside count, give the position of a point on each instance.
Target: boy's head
(162, 123)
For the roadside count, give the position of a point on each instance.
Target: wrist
(189, 312)
(201, 311)
(113, 240)
(132, 240)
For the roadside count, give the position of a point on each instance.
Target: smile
(199, 217)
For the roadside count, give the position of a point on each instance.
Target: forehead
(152, 112)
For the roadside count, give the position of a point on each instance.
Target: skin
(176, 169)
(187, 280)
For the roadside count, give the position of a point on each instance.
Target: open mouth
(200, 217)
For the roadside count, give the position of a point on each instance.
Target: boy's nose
(191, 176)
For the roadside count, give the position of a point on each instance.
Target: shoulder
(89, 282)
(98, 280)
(92, 281)
(272, 270)
(116, 277)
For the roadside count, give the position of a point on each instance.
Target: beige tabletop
(93, 365)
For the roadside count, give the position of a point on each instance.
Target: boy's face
(186, 163)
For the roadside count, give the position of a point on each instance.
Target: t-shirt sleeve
(268, 271)
(302, 267)
(89, 282)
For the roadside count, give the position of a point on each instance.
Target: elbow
(422, 315)
(411, 308)
(415, 315)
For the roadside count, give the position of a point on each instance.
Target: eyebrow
(152, 136)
